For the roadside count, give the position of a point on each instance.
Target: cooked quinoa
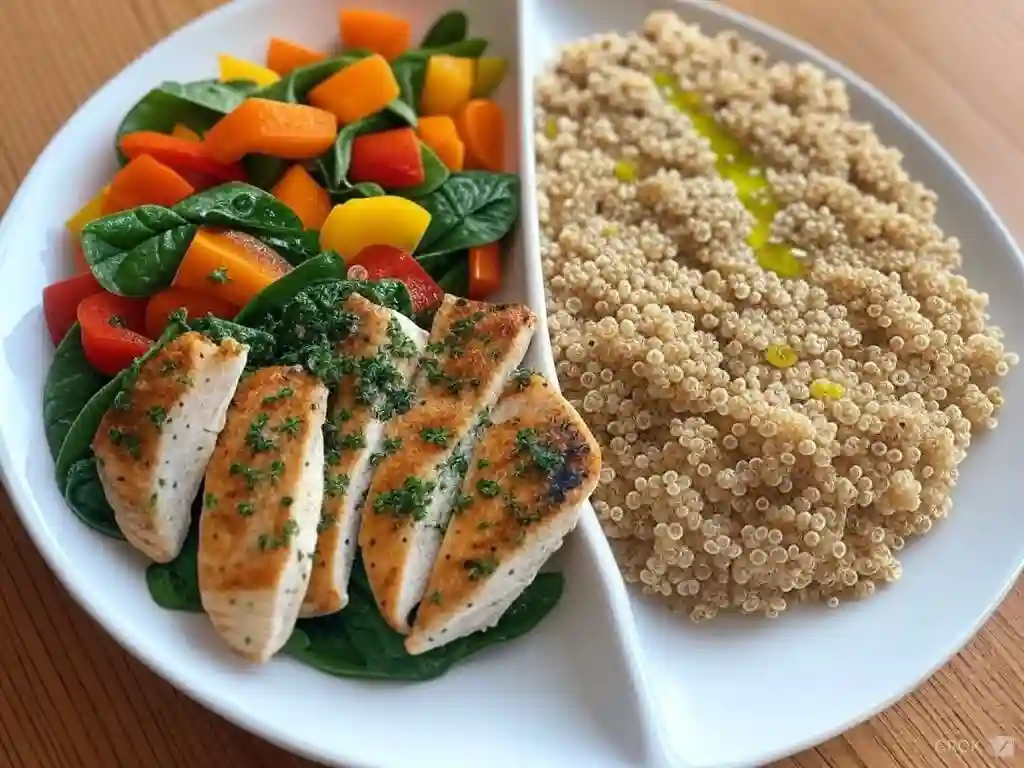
(766, 440)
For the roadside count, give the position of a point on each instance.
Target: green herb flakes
(409, 501)
(436, 436)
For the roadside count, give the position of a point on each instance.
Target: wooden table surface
(70, 696)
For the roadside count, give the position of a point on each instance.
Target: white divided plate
(590, 686)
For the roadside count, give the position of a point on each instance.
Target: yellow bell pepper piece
(182, 131)
(91, 211)
(490, 71)
(383, 220)
(447, 86)
(232, 68)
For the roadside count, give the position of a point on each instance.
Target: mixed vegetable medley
(251, 214)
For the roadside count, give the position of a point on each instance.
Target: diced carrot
(182, 131)
(229, 265)
(440, 134)
(288, 131)
(145, 181)
(284, 55)
(91, 211)
(163, 304)
(481, 125)
(389, 158)
(233, 68)
(300, 192)
(447, 86)
(183, 155)
(484, 270)
(357, 91)
(377, 31)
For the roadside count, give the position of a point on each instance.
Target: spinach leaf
(406, 113)
(78, 442)
(137, 252)
(263, 171)
(333, 166)
(470, 48)
(440, 264)
(327, 266)
(410, 74)
(450, 27)
(84, 494)
(456, 280)
(198, 105)
(70, 383)
(296, 247)
(238, 206)
(296, 85)
(471, 208)
(358, 642)
(435, 173)
(175, 585)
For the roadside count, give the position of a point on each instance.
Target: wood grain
(69, 696)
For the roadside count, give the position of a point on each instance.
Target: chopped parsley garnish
(276, 470)
(219, 275)
(290, 426)
(410, 500)
(336, 485)
(399, 343)
(267, 542)
(287, 501)
(483, 525)
(351, 440)
(185, 379)
(281, 394)
(326, 522)
(168, 367)
(488, 488)
(435, 598)
(126, 440)
(116, 321)
(251, 474)
(122, 400)
(396, 402)
(480, 567)
(246, 508)
(436, 436)
(483, 464)
(545, 457)
(457, 464)
(462, 501)
(343, 414)
(209, 500)
(484, 420)
(521, 376)
(390, 446)
(157, 415)
(254, 437)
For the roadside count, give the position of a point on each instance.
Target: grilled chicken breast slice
(261, 505)
(474, 349)
(153, 445)
(385, 347)
(529, 476)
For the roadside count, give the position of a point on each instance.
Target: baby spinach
(70, 383)
(435, 173)
(470, 48)
(358, 642)
(241, 206)
(440, 264)
(296, 246)
(450, 27)
(137, 252)
(261, 343)
(410, 74)
(333, 166)
(296, 85)
(327, 266)
(84, 494)
(404, 112)
(198, 105)
(264, 171)
(471, 208)
(175, 585)
(456, 280)
(78, 442)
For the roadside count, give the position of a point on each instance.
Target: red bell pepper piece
(61, 300)
(111, 328)
(380, 261)
(389, 158)
(189, 158)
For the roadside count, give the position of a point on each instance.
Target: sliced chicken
(474, 348)
(386, 347)
(529, 476)
(261, 505)
(153, 445)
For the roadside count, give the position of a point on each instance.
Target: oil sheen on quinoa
(752, 306)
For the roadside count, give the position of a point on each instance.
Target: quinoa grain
(767, 440)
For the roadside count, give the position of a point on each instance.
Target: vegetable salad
(248, 207)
